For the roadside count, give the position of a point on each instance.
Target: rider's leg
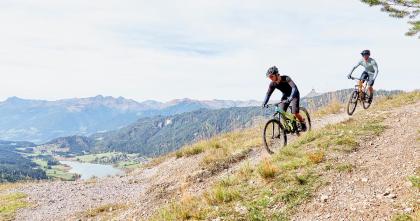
(370, 89)
(364, 77)
(295, 110)
(299, 117)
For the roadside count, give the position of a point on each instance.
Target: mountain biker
(290, 92)
(370, 73)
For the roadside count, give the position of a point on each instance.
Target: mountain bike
(281, 124)
(360, 94)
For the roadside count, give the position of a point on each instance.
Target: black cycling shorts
(365, 77)
(294, 104)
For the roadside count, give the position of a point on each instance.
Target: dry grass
(8, 186)
(398, 100)
(334, 107)
(185, 209)
(157, 160)
(346, 167)
(10, 203)
(103, 212)
(316, 157)
(267, 169)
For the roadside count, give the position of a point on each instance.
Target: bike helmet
(365, 52)
(272, 70)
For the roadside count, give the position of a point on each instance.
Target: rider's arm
(375, 67)
(292, 84)
(268, 95)
(357, 65)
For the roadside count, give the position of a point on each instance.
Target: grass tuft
(103, 211)
(267, 170)
(10, 203)
(415, 181)
(316, 157)
(190, 150)
(348, 168)
(221, 194)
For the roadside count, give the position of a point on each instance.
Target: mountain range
(40, 121)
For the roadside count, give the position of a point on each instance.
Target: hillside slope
(231, 176)
(376, 184)
(161, 134)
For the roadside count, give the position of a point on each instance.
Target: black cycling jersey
(286, 86)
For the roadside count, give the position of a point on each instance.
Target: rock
(241, 209)
(408, 210)
(392, 196)
(387, 192)
(364, 179)
(324, 198)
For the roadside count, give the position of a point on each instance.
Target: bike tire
(352, 103)
(307, 117)
(366, 103)
(274, 140)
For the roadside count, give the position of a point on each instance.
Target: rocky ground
(377, 187)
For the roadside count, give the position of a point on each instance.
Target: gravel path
(377, 188)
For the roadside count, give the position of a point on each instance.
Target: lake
(88, 170)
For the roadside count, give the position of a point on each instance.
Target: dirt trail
(143, 190)
(377, 188)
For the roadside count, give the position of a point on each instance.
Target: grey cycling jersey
(371, 67)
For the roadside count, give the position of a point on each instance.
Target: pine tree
(401, 9)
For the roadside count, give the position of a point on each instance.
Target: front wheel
(274, 136)
(351, 105)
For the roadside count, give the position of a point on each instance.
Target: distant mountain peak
(14, 98)
(312, 93)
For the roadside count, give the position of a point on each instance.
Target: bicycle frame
(360, 87)
(287, 119)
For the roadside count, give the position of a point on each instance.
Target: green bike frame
(287, 119)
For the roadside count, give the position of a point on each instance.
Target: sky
(165, 50)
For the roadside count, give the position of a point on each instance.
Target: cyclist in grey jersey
(370, 73)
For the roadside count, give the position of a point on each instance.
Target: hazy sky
(215, 49)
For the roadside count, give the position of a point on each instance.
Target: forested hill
(14, 166)
(157, 135)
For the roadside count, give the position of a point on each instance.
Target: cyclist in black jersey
(290, 92)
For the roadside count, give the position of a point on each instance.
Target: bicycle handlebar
(275, 105)
(354, 78)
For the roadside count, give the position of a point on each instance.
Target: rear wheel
(351, 105)
(274, 136)
(366, 102)
(307, 118)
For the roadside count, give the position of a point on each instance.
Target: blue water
(88, 170)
